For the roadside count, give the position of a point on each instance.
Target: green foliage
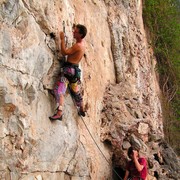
(162, 17)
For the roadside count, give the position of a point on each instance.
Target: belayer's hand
(61, 35)
(135, 154)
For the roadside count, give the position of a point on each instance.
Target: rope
(87, 126)
(99, 147)
(92, 136)
(64, 28)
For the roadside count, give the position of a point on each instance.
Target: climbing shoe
(55, 117)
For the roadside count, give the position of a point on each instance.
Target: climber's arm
(67, 51)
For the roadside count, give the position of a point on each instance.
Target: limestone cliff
(120, 86)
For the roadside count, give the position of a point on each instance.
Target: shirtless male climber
(70, 75)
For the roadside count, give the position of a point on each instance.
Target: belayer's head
(79, 31)
(132, 150)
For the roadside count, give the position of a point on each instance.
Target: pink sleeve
(142, 161)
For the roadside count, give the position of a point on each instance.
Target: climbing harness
(71, 72)
(85, 123)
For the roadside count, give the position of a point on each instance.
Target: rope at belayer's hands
(85, 123)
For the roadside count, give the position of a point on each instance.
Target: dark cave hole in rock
(118, 173)
(156, 157)
(156, 174)
(107, 143)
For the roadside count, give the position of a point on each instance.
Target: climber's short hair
(82, 30)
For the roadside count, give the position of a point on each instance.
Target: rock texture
(120, 86)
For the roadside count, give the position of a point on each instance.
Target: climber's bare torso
(76, 52)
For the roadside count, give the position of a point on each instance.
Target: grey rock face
(120, 89)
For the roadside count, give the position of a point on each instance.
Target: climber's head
(79, 31)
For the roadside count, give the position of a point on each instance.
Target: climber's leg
(59, 91)
(75, 90)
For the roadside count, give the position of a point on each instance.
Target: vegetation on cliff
(163, 21)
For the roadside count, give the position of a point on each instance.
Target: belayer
(70, 72)
(137, 167)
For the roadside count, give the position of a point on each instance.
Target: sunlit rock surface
(120, 88)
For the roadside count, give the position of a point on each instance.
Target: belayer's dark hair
(130, 151)
(82, 30)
